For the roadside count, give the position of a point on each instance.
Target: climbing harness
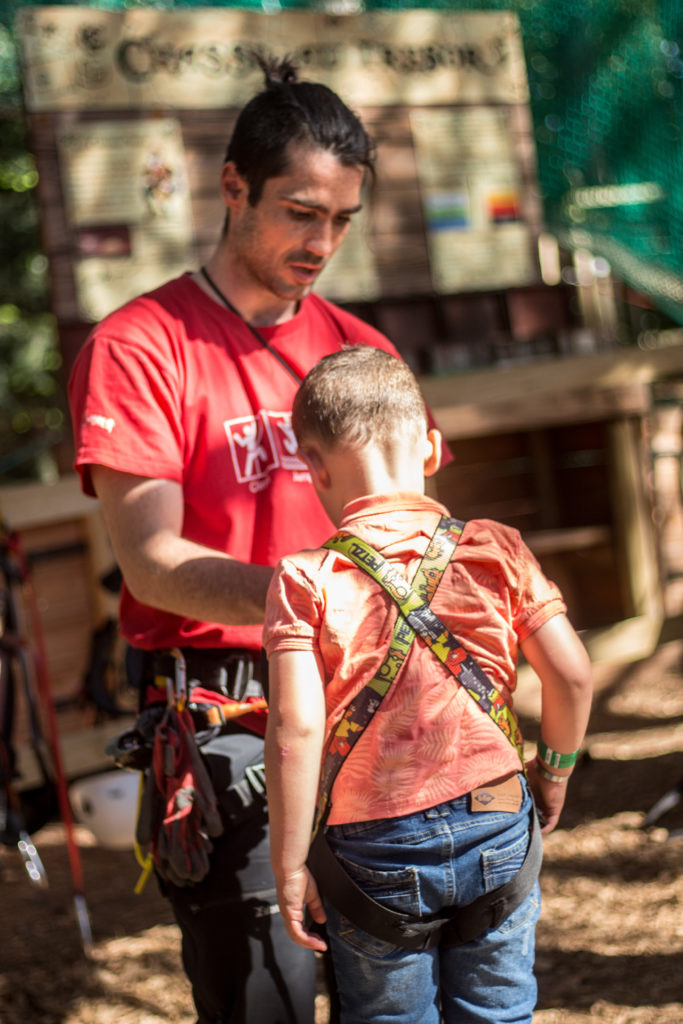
(415, 618)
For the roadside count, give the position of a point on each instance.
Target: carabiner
(176, 688)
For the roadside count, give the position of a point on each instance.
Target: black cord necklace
(228, 305)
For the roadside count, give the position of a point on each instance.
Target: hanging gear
(179, 814)
(178, 811)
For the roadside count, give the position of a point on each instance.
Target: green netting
(606, 82)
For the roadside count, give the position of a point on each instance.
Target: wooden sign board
(84, 59)
(130, 112)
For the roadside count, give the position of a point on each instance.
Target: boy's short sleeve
(538, 598)
(293, 611)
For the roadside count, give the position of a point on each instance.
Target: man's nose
(321, 241)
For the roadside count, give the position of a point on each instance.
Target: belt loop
(242, 676)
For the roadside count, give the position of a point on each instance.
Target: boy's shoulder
(487, 531)
(487, 540)
(307, 562)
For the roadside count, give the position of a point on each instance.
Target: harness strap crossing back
(361, 709)
(429, 626)
(416, 617)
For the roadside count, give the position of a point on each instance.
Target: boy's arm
(294, 741)
(558, 657)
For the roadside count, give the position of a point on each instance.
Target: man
(181, 406)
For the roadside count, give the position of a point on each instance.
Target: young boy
(431, 809)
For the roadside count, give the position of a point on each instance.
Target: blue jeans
(423, 863)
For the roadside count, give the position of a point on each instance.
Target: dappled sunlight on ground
(610, 938)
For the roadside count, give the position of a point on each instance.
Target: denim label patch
(501, 796)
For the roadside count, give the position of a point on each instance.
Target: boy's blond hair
(358, 395)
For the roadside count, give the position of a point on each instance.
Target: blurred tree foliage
(32, 417)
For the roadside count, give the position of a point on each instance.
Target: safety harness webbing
(416, 617)
(363, 706)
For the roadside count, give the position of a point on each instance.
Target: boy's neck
(359, 472)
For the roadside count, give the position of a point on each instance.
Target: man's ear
(432, 452)
(234, 187)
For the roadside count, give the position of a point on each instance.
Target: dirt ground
(610, 939)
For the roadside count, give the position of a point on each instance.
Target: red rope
(38, 651)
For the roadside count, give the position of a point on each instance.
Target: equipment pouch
(234, 760)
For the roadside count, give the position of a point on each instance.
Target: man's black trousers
(243, 967)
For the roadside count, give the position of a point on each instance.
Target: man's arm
(161, 568)
(294, 740)
(558, 657)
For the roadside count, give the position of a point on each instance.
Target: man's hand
(293, 894)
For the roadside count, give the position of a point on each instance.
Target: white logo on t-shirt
(106, 422)
(260, 444)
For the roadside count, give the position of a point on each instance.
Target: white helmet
(107, 804)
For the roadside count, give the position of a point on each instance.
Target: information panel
(131, 111)
(127, 201)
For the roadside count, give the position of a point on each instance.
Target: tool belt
(222, 689)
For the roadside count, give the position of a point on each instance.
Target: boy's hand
(293, 893)
(549, 797)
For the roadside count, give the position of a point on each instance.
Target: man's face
(281, 245)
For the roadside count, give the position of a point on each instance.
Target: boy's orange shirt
(428, 742)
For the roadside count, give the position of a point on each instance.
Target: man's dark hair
(288, 111)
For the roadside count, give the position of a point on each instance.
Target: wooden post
(633, 519)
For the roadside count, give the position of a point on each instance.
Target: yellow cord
(145, 860)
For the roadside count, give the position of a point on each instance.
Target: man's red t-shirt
(173, 386)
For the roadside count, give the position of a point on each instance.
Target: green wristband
(554, 759)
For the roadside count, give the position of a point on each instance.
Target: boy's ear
(432, 452)
(316, 466)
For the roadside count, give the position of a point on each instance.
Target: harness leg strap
(463, 924)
